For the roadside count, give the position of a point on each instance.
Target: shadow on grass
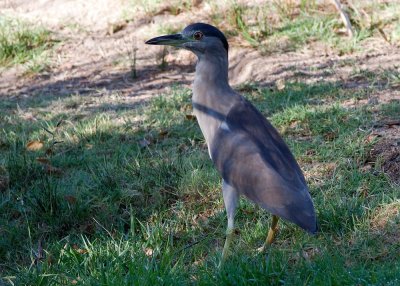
(96, 83)
(44, 90)
(111, 180)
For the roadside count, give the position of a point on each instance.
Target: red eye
(198, 36)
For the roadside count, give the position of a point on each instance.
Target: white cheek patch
(224, 126)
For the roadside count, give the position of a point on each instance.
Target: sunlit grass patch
(281, 26)
(22, 43)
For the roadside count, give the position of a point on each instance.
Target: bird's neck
(212, 96)
(212, 70)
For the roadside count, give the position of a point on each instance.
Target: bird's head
(198, 38)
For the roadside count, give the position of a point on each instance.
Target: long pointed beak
(169, 40)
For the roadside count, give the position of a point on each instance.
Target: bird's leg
(231, 198)
(272, 230)
(228, 240)
(271, 234)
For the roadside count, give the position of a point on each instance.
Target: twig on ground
(344, 17)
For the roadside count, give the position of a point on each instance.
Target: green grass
(283, 26)
(120, 195)
(20, 43)
(103, 206)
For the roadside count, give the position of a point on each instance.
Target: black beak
(170, 40)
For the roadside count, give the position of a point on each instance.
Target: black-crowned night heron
(249, 153)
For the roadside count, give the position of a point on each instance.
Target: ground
(104, 174)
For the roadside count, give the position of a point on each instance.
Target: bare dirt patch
(90, 58)
(386, 155)
(92, 14)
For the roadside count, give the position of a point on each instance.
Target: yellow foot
(226, 251)
(264, 248)
(272, 231)
(271, 235)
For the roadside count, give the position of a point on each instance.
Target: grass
(281, 26)
(154, 7)
(117, 196)
(20, 43)
(95, 192)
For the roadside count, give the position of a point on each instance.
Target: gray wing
(253, 158)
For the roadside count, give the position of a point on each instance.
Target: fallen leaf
(310, 152)
(89, 146)
(148, 251)
(280, 84)
(163, 133)
(34, 145)
(366, 168)
(329, 136)
(25, 114)
(43, 160)
(116, 27)
(190, 117)
(51, 170)
(50, 259)
(294, 124)
(81, 250)
(70, 199)
(28, 116)
(310, 252)
(370, 138)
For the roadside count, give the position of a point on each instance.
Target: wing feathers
(253, 158)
